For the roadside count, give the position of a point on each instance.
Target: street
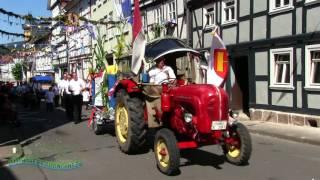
(49, 136)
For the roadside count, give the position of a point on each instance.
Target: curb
(19, 153)
(285, 137)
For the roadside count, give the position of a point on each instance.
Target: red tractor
(185, 115)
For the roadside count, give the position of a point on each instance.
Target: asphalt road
(49, 136)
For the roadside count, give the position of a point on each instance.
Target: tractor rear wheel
(129, 123)
(239, 152)
(166, 152)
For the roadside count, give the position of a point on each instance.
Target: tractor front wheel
(166, 152)
(129, 123)
(239, 151)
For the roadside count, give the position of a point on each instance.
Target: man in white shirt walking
(76, 86)
(62, 85)
(66, 95)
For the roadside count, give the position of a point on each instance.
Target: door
(240, 88)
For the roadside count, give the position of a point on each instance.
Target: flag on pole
(123, 9)
(126, 10)
(139, 41)
(218, 64)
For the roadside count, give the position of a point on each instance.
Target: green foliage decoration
(17, 71)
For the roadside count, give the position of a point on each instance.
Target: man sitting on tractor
(161, 73)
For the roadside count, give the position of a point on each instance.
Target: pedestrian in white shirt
(63, 84)
(66, 95)
(161, 73)
(86, 97)
(76, 86)
(49, 99)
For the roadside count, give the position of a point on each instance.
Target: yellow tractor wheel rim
(122, 121)
(234, 152)
(163, 155)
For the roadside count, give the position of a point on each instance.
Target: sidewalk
(9, 143)
(301, 134)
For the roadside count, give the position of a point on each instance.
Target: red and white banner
(218, 65)
(139, 42)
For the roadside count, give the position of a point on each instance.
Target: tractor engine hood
(205, 102)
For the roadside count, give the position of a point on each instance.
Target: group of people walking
(72, 88)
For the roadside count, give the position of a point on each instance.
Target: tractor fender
(129, 85)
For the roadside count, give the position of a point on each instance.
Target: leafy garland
(11, 34)
(10, 13)
(29, 17)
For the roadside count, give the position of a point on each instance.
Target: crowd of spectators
(8, 112)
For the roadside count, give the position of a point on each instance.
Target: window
(98, 3)
(172, 11)
(110, 33)
(209, 16)
(117, 31)
(158, 15)
(281, 68)
(145, 22)
(311, 1)
(110, 16)
(280, 5)
(312, 73)
(229, 11)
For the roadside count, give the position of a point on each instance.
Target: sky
(22, 7)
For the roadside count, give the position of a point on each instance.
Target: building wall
(148, 9)
(106, 10)
(257, 31)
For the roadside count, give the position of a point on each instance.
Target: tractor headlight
(188, 117)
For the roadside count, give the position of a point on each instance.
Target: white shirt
(49, 96)
(85, 96)
(158, 76)
(64, 87)
(76, 86)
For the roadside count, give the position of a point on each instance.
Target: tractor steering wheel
(171, 81)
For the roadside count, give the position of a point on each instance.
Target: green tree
(17, 71)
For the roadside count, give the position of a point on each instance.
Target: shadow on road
(202, 158)
(33, 123)
(6, 173)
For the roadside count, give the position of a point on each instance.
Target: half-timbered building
(274, 50)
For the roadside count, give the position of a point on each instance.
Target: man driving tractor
(161, 73)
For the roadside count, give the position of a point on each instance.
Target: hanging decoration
(62, 18)
(72, 20)
(10, 13)
(2, 32)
